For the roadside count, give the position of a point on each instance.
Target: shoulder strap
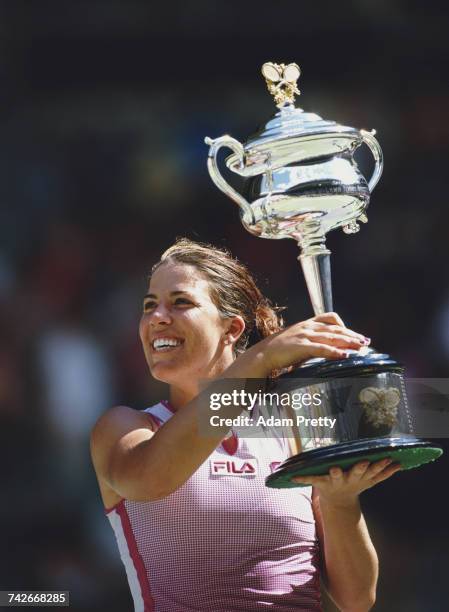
(160, 411)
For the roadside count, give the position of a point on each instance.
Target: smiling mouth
(165, 345)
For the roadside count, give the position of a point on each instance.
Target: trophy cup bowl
(301, 181)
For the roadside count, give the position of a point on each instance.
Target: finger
(339, 340)
(376, 468)
(307, 480)
(358, 470)
(311, 325)
(310, 480)
(337, 329)
(317, 349)
(336, 473)
(386, 473)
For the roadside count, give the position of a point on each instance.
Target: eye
(149, 305)
(182, 301)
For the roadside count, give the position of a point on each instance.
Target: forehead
(172, 276)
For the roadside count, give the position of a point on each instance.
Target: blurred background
(104, 106)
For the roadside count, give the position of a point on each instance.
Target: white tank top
(223, 541)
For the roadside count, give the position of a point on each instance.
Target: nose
(160, 316)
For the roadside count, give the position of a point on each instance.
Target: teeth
(164, 342)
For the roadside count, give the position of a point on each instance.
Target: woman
(192, 538)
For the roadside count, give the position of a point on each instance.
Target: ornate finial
(281, 82)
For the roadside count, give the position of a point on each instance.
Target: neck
(179, 397)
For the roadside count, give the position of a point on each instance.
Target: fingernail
(387, 461)
(366, 340)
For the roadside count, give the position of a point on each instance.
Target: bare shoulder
(118, 426)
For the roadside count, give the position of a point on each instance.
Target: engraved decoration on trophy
(381, 405)
(301, 181)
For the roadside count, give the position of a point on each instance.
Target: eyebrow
(153, 296)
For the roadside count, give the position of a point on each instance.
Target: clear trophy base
(365, 397)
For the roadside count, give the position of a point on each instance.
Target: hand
(340, 488)
(321, 336)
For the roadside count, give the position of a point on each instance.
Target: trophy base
(410, 452)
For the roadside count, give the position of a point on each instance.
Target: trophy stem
(316, 266)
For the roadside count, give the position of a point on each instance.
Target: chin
(171, 374)
(176, 375)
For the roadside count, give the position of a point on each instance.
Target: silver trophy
(301, 181)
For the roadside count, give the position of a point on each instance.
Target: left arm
(350, 559)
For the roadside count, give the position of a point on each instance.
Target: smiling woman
(181, 327)
(194, 507)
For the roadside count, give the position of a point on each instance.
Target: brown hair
(233, 289)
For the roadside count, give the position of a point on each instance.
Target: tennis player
(196, 527)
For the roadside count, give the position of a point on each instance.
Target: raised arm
(142, 464)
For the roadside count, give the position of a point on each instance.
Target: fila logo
(234, 467)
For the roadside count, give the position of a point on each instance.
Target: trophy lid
(292, 135)
(291, 122)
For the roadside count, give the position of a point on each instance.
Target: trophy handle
(215, 174)
(374, 146)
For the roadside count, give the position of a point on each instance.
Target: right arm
(142, 464)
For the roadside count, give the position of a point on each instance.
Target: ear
(235, 326)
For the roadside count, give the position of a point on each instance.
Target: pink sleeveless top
(222, 542)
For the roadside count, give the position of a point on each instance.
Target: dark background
(103, 110)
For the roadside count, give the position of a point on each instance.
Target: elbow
(372, 601)
(365, 606)
(354, 600)
(361, 604)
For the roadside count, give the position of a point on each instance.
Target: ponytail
(267, 319)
